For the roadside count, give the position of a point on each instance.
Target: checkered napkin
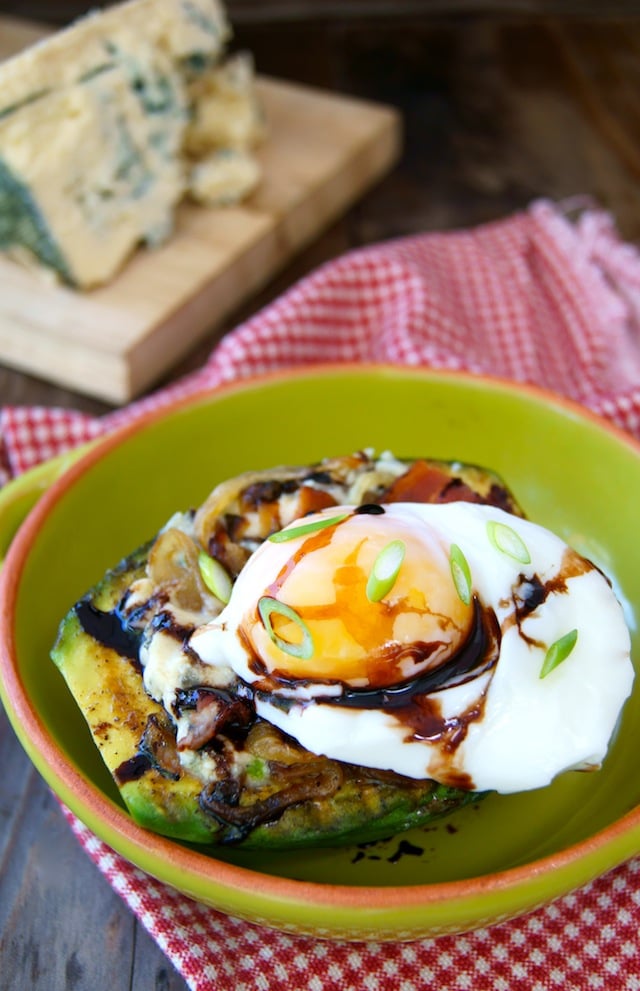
(549, 296)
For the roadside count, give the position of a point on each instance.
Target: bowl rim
(88, 802)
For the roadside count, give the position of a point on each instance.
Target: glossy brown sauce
(478, 654)
(109, 629)
(132, 769)
(530, 591)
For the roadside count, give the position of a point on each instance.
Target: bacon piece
(421, 483)
(311, 500)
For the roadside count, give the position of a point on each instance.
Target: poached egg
(454, 641)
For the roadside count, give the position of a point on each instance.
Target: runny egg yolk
(368, 601)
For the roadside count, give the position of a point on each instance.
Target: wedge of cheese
(103, 124)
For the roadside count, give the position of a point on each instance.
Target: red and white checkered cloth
(536, 298)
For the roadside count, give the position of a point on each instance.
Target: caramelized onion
(311, 781)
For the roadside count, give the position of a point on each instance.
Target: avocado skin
(356, 815)
(109, 691)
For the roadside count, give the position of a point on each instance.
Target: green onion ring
(506, 540)
(215, 577)
(268, 605)
(290, 533)
(386, 568)
(558, 652)
(461, 573)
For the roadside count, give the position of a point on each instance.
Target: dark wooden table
(500, 107)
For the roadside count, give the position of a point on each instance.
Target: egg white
(528, 729)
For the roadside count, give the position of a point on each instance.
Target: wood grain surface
(499, 107)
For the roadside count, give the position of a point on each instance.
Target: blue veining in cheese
(94, 125)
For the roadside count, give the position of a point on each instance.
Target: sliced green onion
(386, 568)
(215, 577)
(290, 533)
(506, 540)
(266, 607)
(461, 573)
(558, 652)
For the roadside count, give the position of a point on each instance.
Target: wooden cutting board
(322, 153)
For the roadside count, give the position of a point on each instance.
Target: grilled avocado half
(205, 768)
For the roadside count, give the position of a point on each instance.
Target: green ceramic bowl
(569, 470)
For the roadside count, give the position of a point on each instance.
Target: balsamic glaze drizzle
(480, 650)
(108, 628)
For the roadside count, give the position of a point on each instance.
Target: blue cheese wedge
(103, 124)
